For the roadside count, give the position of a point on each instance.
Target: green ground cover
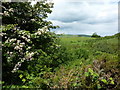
(84, 62)
(94, 63)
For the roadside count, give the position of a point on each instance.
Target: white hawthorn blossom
(8, 57)
(7, 52)
(7, 40)
(2, 34)
(28, 36)
(29, 48)
(38, 33)
(50, 4)
(29, 55)
(22, 43)
(18, 41)
(11, 10)
(1, 13)
(13, 44)
(43, 30)
(11, 53)
(5, 37)
(16, 67)
(16, 47)
(12, 40)
(33, 20)
(25, 38)
(6, 13)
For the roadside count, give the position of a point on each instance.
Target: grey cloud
(83, 28)
(85, 18)
(100, 20)
(81, 11)
(70, 12)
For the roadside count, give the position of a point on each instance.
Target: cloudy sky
(85, 16)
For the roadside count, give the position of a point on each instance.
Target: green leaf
(112, 82)
(111, 78)
(90, 70)
(75, 84)
(86, 74)
(23, 79)
(98, 86)
(95, 74)
(104, 80)
(20, 76)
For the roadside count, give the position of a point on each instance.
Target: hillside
(82, 63)
(71, 35)
(93, 63)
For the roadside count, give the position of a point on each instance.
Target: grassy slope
(96, 47)
(74, 42)
(91, 61)
(89, 50)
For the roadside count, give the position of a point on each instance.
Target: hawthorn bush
(29, 48)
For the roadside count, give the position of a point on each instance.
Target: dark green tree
(95, 35)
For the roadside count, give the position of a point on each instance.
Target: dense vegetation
(34, 57)
(94, 63)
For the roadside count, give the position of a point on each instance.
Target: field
(93, 63)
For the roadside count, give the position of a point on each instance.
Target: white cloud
(83, 28)
(85, 17)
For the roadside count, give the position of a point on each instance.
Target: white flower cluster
(50, 4)
(26, 39)
(9, 52)
(45, 29)
(6, 13)
(2, 34)
(41, 31)
(33, 20)
(1, 13)
(5, 37)
(16, 67)
(28, 48)
(19, 46)
(25, 36)
(10, 40)
(38, 32)
(29, 55)
(11, 10)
